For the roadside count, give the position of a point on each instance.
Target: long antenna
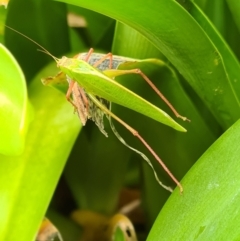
(43, 49)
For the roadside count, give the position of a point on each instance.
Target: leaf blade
(209, 208)
(14, 106)
(35, 173)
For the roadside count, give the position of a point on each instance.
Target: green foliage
(209, 208)
(13, 105)
(197, 42)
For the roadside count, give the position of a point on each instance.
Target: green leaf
(209, 207)
(235, 9)
(129, 42)
(14, 105)
(29, 180)
(190, 42)
(230, 62)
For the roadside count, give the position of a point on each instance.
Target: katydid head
(68, 64)
(62, 61)
(42, 48)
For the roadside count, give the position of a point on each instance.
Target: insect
(88, 85)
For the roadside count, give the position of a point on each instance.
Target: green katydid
(88, 84)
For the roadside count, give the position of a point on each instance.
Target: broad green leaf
(188, 40)
(235, 9)
(180, 38)
(129, 42)
(231, 64)
(29, 180)
(13, 105)
(201, 3)
(215, 10)
(209, 207)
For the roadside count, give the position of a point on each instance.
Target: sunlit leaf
(13, 105)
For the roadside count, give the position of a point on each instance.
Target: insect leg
(69, 92)
(81, 103)
(135, 133)
(109, 55)
(84, 98)
(88, 54)
(86, 58)
(80, 100)
(114, 73)
(97, 63)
